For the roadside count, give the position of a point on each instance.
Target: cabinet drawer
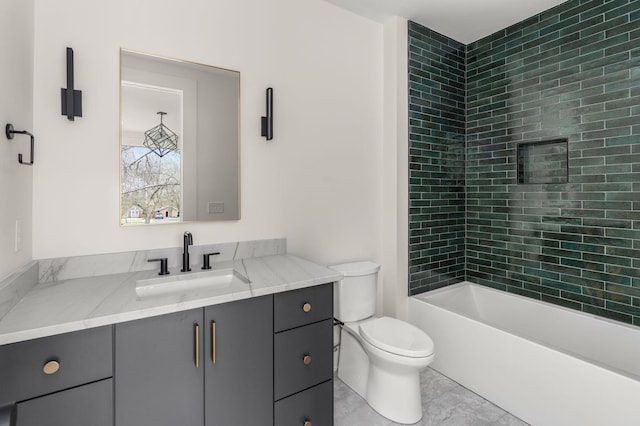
(314, 405)
(83, 357)
(301, 307)
(82, 406)
(292, 372)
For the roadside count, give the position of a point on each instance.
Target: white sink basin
(206, 280)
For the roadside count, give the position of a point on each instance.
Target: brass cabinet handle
(306, 307)
(213, 342)
(197, 348)
(51, 367)
(306, 360)
(307, 423)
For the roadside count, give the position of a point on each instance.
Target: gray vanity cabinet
(211, 366)
(158, 371)
(238, 364)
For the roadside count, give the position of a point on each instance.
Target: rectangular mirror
(179, 141)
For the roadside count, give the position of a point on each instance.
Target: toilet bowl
(379, 358)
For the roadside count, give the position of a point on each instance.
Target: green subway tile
(623, 159)
(600, 8)
(541, 273)
(607, 133)
(629, 176)
(624, 9)
(628, 195)
(621, 84)
(623, 289)
(582, 281)
(608, 314)
(562, 302)
(536, 239)
(620, 251)
(523, 292)
(607, 205)
(574, 8)
(623, 308)
(541, 289)
(582, 264)
(606, 259)
(604, 241)
(577, 297)
(605, 170)
(608, 295)
(582, 247)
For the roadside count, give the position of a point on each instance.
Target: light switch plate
(18, 236)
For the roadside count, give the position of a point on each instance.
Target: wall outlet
(216, 207)
(18, 235)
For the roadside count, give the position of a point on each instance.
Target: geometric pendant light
(160, 139)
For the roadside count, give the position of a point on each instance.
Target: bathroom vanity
(258, 354)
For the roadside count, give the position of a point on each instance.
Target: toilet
(379, 358)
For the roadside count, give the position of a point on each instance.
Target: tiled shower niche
(543, 162)
(571, 72)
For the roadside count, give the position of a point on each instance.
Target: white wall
(395, 190)
(318, 183)
(16, 107)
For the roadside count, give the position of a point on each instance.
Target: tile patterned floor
(444, 402)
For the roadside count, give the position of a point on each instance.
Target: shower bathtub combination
(546, 364)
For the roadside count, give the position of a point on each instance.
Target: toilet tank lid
(356, 269)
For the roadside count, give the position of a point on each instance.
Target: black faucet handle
(205, 259)
(163, 265)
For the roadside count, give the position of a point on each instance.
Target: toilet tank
(354, 297)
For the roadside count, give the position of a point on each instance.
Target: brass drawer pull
(197, 348)
(306, 307)
(213, 342)
(307, 423)
(51, 367)
(306, 360)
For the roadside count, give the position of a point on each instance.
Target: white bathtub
(546, 364)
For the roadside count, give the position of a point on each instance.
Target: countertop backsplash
(64, 268)
(16, 285)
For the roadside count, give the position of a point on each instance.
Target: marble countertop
(63, 306)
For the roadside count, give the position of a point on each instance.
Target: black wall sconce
(71, 98)
(267, 122)
(9, 132)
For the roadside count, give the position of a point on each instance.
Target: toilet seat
(397, 337)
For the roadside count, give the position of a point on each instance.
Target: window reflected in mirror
(179, 141)
(151, 173)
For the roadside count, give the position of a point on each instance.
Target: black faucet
(188, 241)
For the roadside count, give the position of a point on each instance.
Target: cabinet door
(82, 406)
(239, 363)
(159, 371)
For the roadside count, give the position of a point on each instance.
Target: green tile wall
(436, 163)
(570, 72)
